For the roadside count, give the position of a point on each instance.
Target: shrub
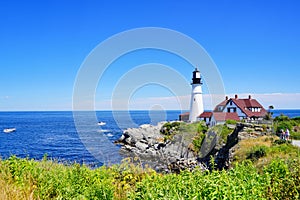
(282, 142)
(202, 128)
(283, 178)
(281, 118)
(283, 125)
(257, 152)
(295, 135)
(170, 128)
(230, 121)
(225, 131)
(197, 142)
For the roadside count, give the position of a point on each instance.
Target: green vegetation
(223, 131)
(263, 150)
(24, 178)
(195, 133)
(257, 152)
(283, 122)
(269, 114)
(295, 135)
(28, 179)
(230, 121)
(170, 128)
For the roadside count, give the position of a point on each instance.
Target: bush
(281, 118)
(295, 135)
(170, 128)
(225, 131)
(230, 121)
(202, 128)
(257, 152)
(283, 178)
(197, 142)
(283, 125)
(282, 142)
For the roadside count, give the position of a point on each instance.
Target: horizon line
(116, 110)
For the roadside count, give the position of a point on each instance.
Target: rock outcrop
(173, 155)
(154, 149)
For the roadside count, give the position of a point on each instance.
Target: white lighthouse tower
(196, 97)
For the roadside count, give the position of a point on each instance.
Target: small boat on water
(9, 130)
(101, 123)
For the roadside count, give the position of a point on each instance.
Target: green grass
(50, 180)
(263, 150)
(295, 135)
(29, 179)
(241, 182)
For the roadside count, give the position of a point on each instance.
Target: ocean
(54, 134)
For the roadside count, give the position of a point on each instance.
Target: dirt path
(296, 142)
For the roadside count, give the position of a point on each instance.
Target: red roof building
(232, 109)
(245, 108)
(184, 116)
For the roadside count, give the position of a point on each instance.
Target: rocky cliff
(174, 154)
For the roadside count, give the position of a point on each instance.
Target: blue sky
(255, 45)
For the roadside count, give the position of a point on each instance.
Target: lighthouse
(196, 107)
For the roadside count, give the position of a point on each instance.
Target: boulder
(141, 146)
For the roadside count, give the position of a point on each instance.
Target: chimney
(236, 96)
(226, 98)
(249, 96)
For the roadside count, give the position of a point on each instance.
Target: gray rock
(141, 146)
(130, 141)
(231, 126)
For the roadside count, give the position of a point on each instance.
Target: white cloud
(278, 100)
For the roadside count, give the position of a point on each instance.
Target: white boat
(9, 130)
(101, 123)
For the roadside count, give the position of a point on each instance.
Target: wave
(103, 130)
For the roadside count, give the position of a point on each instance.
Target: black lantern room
(196, 77)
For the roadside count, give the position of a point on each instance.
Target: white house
(233, 109)
(247, 108)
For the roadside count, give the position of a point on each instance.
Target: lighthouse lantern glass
(197, 74)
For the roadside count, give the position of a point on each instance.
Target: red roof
(223, 103)
(223, 116)
(206, 115)
(245, 105)
(186, 113)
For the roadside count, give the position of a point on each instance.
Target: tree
(269, 115)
